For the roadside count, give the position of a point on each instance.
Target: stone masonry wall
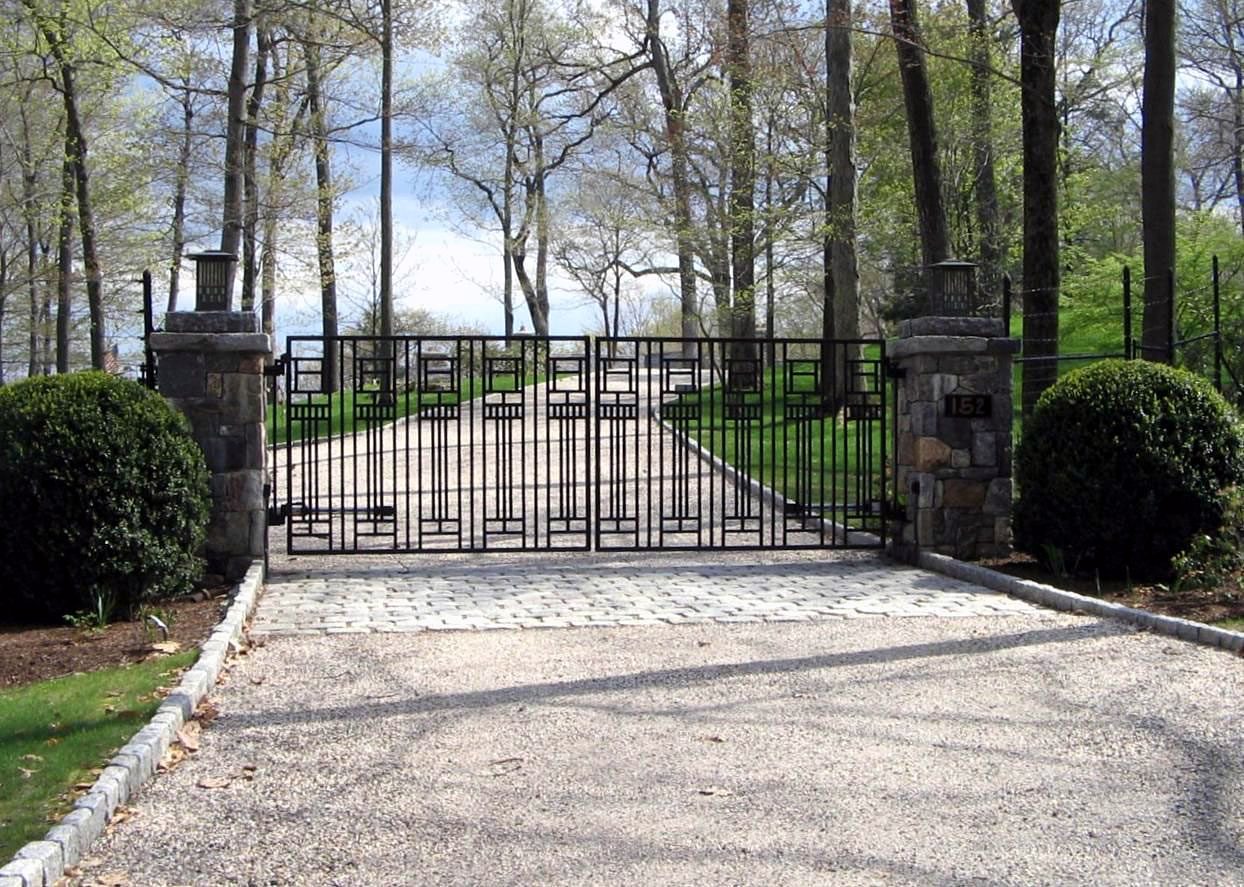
(211, 370)
(961, 466)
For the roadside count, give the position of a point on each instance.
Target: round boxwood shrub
(1121, 464)
(105, 496)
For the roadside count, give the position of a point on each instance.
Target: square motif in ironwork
(803, 376)
(617, 374)
(438, 373)
(680, 375)
(307, 375)
(568, 374)
(743, 375)
(503, 374)
(374, 375)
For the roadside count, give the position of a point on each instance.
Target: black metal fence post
(1217, 330)
(149, 358)
(1129, 350)
(1006, 304)
(1170, 316)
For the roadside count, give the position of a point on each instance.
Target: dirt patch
(35, 653)
(1198, 604)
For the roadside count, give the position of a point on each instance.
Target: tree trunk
(1237, 142)
(842, 187)
(29, 211)
(386, 168)
(742, 177)
(676, 136)
(1157, 176)
(1038, 20)
(64, 263)
(540, 310)
(4, 298)
(323, 215)
(232, 222)
(922, 134)
(250, 147)
(179, 199)
(986, 189)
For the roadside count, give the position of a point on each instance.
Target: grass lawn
(55, 734)
(1233, 624)
(847, 459)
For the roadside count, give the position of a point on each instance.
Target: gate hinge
(277, 367)
(893, 370)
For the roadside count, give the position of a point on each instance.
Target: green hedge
(1121, 464)
(105, 496)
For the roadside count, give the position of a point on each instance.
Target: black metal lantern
(952, 289)
(213, 280)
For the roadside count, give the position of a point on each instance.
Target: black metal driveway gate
(413, 444)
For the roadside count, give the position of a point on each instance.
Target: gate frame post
(959, 464)
(212, 371)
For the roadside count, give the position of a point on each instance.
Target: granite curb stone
(1058, 599)
(43, 863)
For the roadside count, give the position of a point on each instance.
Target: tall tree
(235, 127)
(742, 172)
(55, 31)
(1157, 171)
(922, 133)
(324, 200)
(1038, 22)
(674, 113)
(841, 309)
(985, 188)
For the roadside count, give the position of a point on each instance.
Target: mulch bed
(29, 654)
(1197, 604)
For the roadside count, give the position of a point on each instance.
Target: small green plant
(1052, 558)
(1215, 559)
(156, 622)
(96, 618)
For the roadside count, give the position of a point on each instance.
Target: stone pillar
(211, 369)
(954, 435)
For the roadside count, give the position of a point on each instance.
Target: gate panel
(436, 444)
(473, 444)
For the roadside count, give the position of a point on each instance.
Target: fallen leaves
(165, 648)
(502, 766)
(246, 774)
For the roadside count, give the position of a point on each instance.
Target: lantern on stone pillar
(952, 289)
(213, 280)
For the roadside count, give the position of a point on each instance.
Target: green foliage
(1214, 559)
(106, 496)
(1121, 465)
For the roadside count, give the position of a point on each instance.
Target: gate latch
(277, 367)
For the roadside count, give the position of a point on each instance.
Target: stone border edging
(1058, 599)
(43, 863)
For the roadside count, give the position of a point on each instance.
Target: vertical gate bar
(469, 380)
(699, 432)
(1128, 347)
(594, 417)
(289, 444)
(649, 427)
(419, 466)
(588, 466)
(885, 401)
(830, 416)
(407, 413)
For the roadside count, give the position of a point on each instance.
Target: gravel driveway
(1024, 749)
